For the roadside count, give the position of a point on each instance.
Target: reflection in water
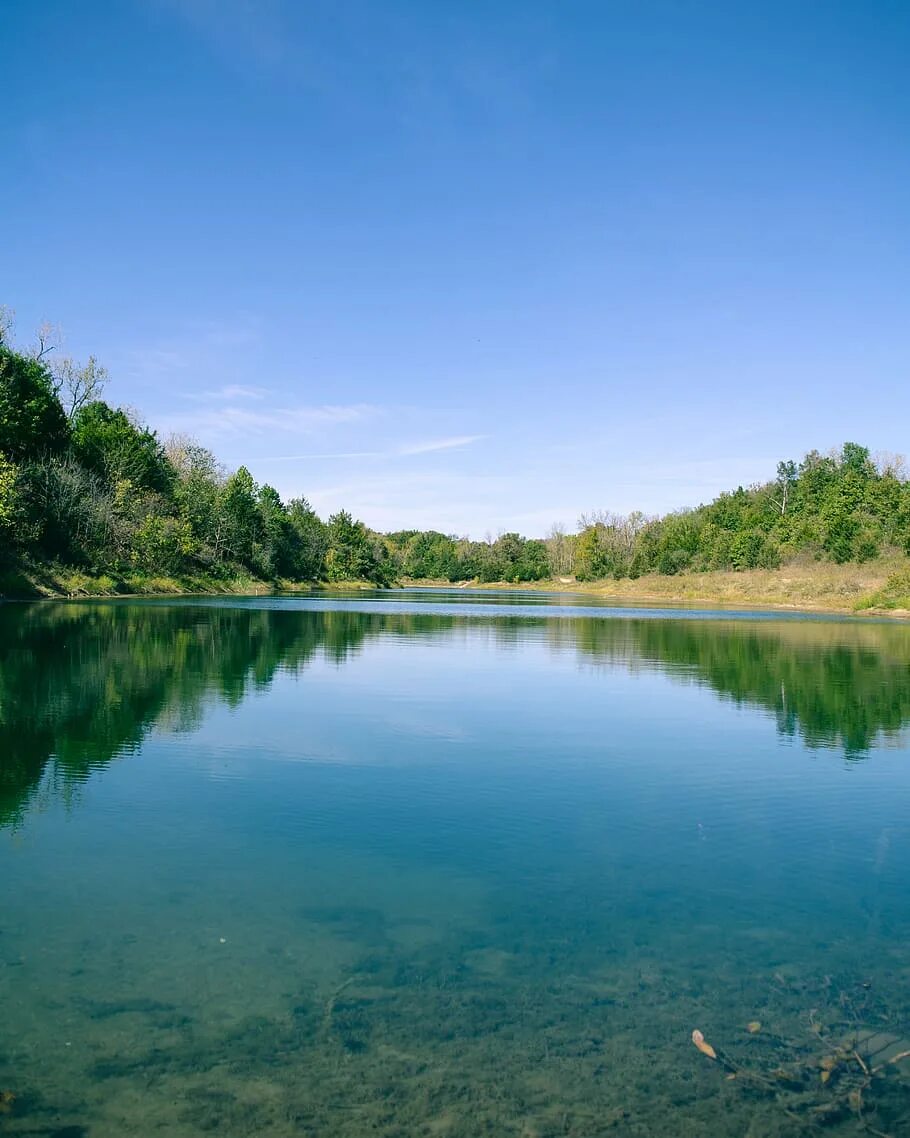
(835, 684)
(398, 867)
(83, 683)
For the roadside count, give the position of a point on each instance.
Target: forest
(85, 484)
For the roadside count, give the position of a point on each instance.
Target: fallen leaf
(705, 1048)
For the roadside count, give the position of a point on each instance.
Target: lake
(451, 863)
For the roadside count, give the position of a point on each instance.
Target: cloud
(326, 455)
(457, 441)
(231, 391)
(408, 450)
(234, 421)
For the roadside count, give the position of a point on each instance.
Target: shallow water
(449, 863)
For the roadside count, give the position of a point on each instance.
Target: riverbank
(877, 587)
(62, 583)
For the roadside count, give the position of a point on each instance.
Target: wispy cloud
(300, 420)
(408, 450)
(227, 393)
(326, 455)
(453, 443)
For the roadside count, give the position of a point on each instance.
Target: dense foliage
(91, 487)
(84, 484)
(838, 507)
(428, 554)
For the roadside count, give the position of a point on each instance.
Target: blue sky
(474, 266)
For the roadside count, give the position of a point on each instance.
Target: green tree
(71, 513)
(162, 544)
(427, 554)
(356, 554)
(32, 421)
(311, 541)
(746, 549)
(347, 558)
(10, 503)
(240, 513)
(274, 551)
(197, 496)
(855, 458)
(678, 541)
(534, 562)
(108, 442)
(783, 486)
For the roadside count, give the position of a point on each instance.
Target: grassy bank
(880, 586)
(57, 582)
(61, 582)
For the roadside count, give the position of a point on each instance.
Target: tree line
(88, 485)
(841, 506)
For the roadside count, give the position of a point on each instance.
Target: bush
(162, 545)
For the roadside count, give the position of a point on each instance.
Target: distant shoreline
(878, 588)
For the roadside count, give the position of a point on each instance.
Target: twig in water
(893, 1059)
(330, 1003)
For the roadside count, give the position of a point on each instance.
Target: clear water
(443, 863)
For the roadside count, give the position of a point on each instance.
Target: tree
(746, 548)
(75, 384)
(559, 550)
(533, 564)
(607, 543)
(197, 493)
(678, 541)
(241, 516)
(356, 554)
(786, 479)
(311, 540)
(32, 421)
(275, 546)
(10, 501)
(855, 458)
(348, 554)
(71, 511)
(110, 444)
(162, 544)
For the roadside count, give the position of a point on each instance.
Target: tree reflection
(833, 684)
(82, 684)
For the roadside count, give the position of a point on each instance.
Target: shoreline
(879, 588)
(28, 586)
